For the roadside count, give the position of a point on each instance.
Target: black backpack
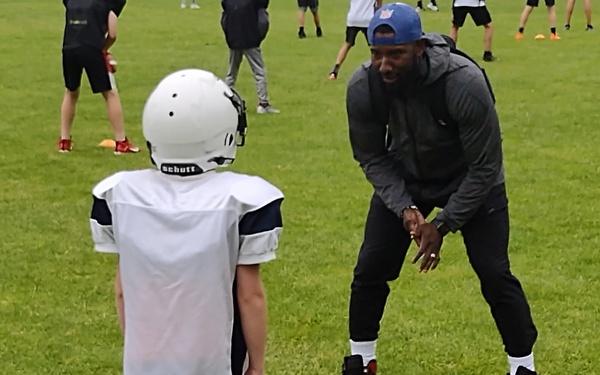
(435, 95)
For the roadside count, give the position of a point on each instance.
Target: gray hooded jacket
(427, 162)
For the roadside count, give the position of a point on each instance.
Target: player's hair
(384, 29)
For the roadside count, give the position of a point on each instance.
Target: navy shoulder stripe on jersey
(101, 212)
(264, 219)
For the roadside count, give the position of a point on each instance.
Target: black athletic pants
(485, 236)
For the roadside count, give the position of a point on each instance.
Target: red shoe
(371, 368)
(65, 145)
(124, 147)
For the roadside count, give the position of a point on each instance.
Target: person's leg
(454, 33)
(380, 258)
(72, 72)
(235, 59)
(351, 33)
(569, 13)
(488, 35)
(552, 19)
(587, 7)
(301, 14)
(486, 237)
(481, 16)
(259, 70)
(102, 81)
(459, 15)
(317, 19)
(67, 113)
(339, 60)
(115, 113)
(525, 16)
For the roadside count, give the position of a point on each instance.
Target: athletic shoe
(432, 7)
(524, 371)
(262, 110)
(65, 145)
(353, 365)
(125, 147)
(488, 57)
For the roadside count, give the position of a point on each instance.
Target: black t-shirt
(86, 21)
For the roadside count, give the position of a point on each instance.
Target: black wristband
(441, 227)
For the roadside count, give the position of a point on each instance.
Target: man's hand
(411, 219)
(430, 242)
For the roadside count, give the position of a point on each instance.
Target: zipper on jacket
(414, 142)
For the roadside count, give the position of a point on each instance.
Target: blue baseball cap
(401, 18)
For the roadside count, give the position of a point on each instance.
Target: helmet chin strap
(220, 160)
(240, 107)
(149, 145)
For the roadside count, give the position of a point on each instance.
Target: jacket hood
(436, 59)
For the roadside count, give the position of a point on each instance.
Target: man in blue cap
(417, 163)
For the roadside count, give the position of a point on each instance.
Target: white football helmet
(193, 123)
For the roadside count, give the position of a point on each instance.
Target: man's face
(396, 63)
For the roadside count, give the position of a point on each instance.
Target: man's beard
(406, 80)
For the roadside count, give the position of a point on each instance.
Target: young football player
(184, 233)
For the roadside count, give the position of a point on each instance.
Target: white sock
(365, 348)
(515, 362)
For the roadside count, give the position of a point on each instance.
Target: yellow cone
(108, 143)
(540, 37)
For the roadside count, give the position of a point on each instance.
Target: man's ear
(420, 47)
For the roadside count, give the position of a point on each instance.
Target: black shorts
(480, 15)
(305, 4)
(535, 3)
(352, 32)
(91, 59)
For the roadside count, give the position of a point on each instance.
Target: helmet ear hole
(171, 114)
(229, 139)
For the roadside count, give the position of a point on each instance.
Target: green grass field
(56, 296)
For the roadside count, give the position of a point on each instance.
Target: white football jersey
(360, 13)
(179, 241)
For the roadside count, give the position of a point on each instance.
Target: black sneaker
(567, 27)
(301, 34)
(524, 371)
(319, 32)
(589, 28)
(353, 365)
(488, 57)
